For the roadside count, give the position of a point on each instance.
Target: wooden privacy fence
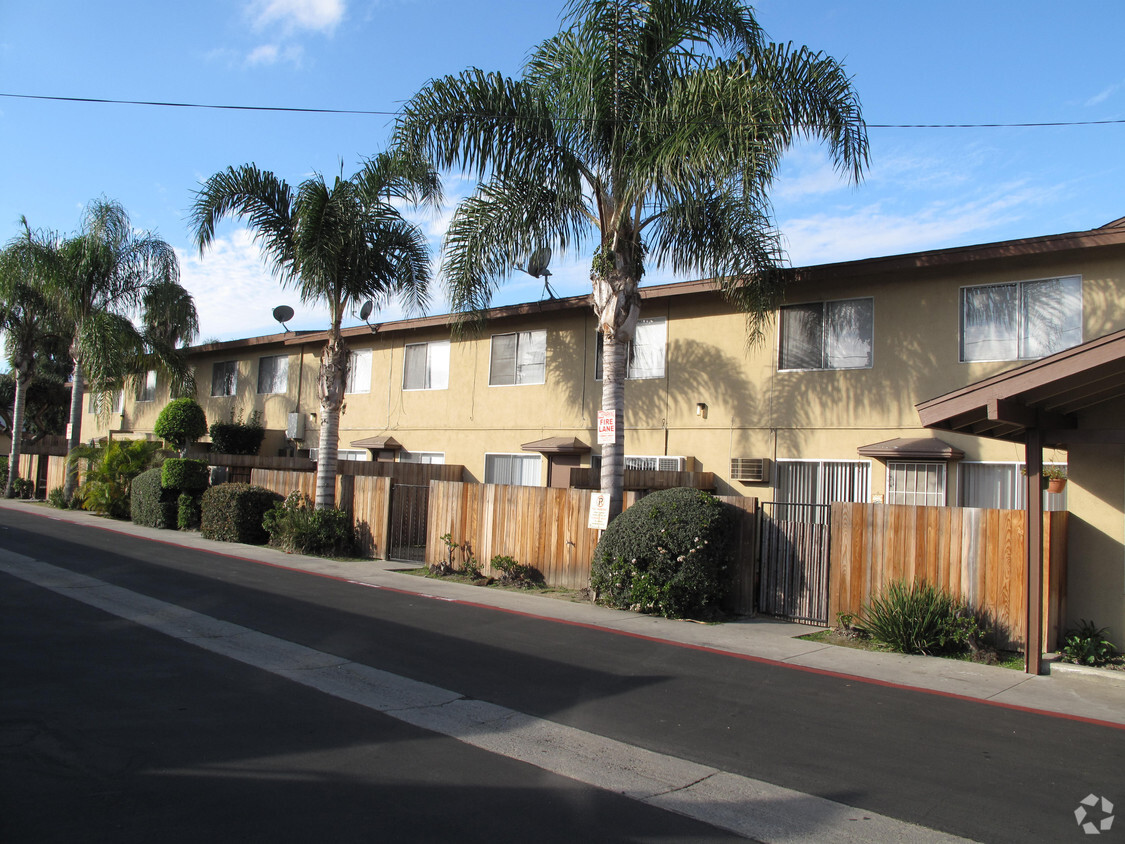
(366, 498)
(547, 528)
(240, 466)
(977, 554)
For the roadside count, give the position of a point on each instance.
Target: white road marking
(746, 806)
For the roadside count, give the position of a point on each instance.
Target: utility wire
(297, 110)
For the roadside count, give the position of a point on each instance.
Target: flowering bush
(667, 555)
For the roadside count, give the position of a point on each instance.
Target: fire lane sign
(607, 428)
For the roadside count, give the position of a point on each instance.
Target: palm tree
(647, 129)
(29, 325)
(102, 278)
(336, 245)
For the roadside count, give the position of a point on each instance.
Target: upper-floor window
(426, 366)
(224, 378)
(646, 351)
(102, 402)
(518, 358)
(273, 374)
(827, 335)
(146, 386)
(1021, 320)
(359, 372)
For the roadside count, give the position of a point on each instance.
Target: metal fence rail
(795, 548)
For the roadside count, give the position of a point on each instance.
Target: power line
(371, 112)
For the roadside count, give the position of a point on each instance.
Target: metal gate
(793, 572)
(407, 535)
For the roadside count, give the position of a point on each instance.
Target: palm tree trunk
(22, 381)
(330, 388)
(75, 429)
(613, 401)
(617, 304)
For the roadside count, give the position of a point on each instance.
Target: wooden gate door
(794, 552)
(407, 536)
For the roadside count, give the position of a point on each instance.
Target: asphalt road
(143, 734)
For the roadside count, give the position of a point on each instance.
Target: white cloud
(1105, 94)
(292, 15)
(270, 54)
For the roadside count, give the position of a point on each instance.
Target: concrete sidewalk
(1069, 691)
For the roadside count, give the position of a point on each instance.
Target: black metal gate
(793, 569)
(407, 535)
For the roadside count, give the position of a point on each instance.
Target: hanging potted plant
(1056, 478)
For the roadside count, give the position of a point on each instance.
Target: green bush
(55, 498)
(185, 475)
(1087, 645)
(918, 618)
(150, 504)
(513, 573)
(110, 470)
(188, 511)
(23, 488)
(299, 528)
(238, 437)
(234, 513)
(665, 555)
(181, 422)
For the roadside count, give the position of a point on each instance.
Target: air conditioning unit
(670, 464)
(295, 428)
(755, 470)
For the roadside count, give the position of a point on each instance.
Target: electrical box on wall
(753, 470)
(295, 428)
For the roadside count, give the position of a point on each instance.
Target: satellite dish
(537, 268)
(283, 313)
(365, 311)
(537, 263)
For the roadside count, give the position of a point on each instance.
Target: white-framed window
(822, 481)
(429, 457)
(224, 378)
(515, 469)
(146, 386)
(100, 402)
(915, 483)
(1000, 486)
(359, 372)
(518, 358)
(358, 455)
(426, 366)
(647, 351)
(1020, 320)
(827, 335)
(273, 374)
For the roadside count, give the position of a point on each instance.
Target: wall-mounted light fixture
(701, 409)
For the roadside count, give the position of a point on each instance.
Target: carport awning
(903, 448)
(1047, 394)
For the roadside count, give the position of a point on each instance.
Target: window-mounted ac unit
(671, 464)
(754, 470)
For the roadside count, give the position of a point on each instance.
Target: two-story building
(820, 408)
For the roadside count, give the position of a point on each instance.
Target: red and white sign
(607, 428)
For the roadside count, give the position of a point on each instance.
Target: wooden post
(1033, 628)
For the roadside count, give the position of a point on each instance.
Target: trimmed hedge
(666, 555)
(185, 475)
(237, 437)
(150, 504)
(234, 513)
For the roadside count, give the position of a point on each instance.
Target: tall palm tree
(29, 324)
(336, 244)
(649, 130)
(102, 278)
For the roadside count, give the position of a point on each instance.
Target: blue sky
(946, 61)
